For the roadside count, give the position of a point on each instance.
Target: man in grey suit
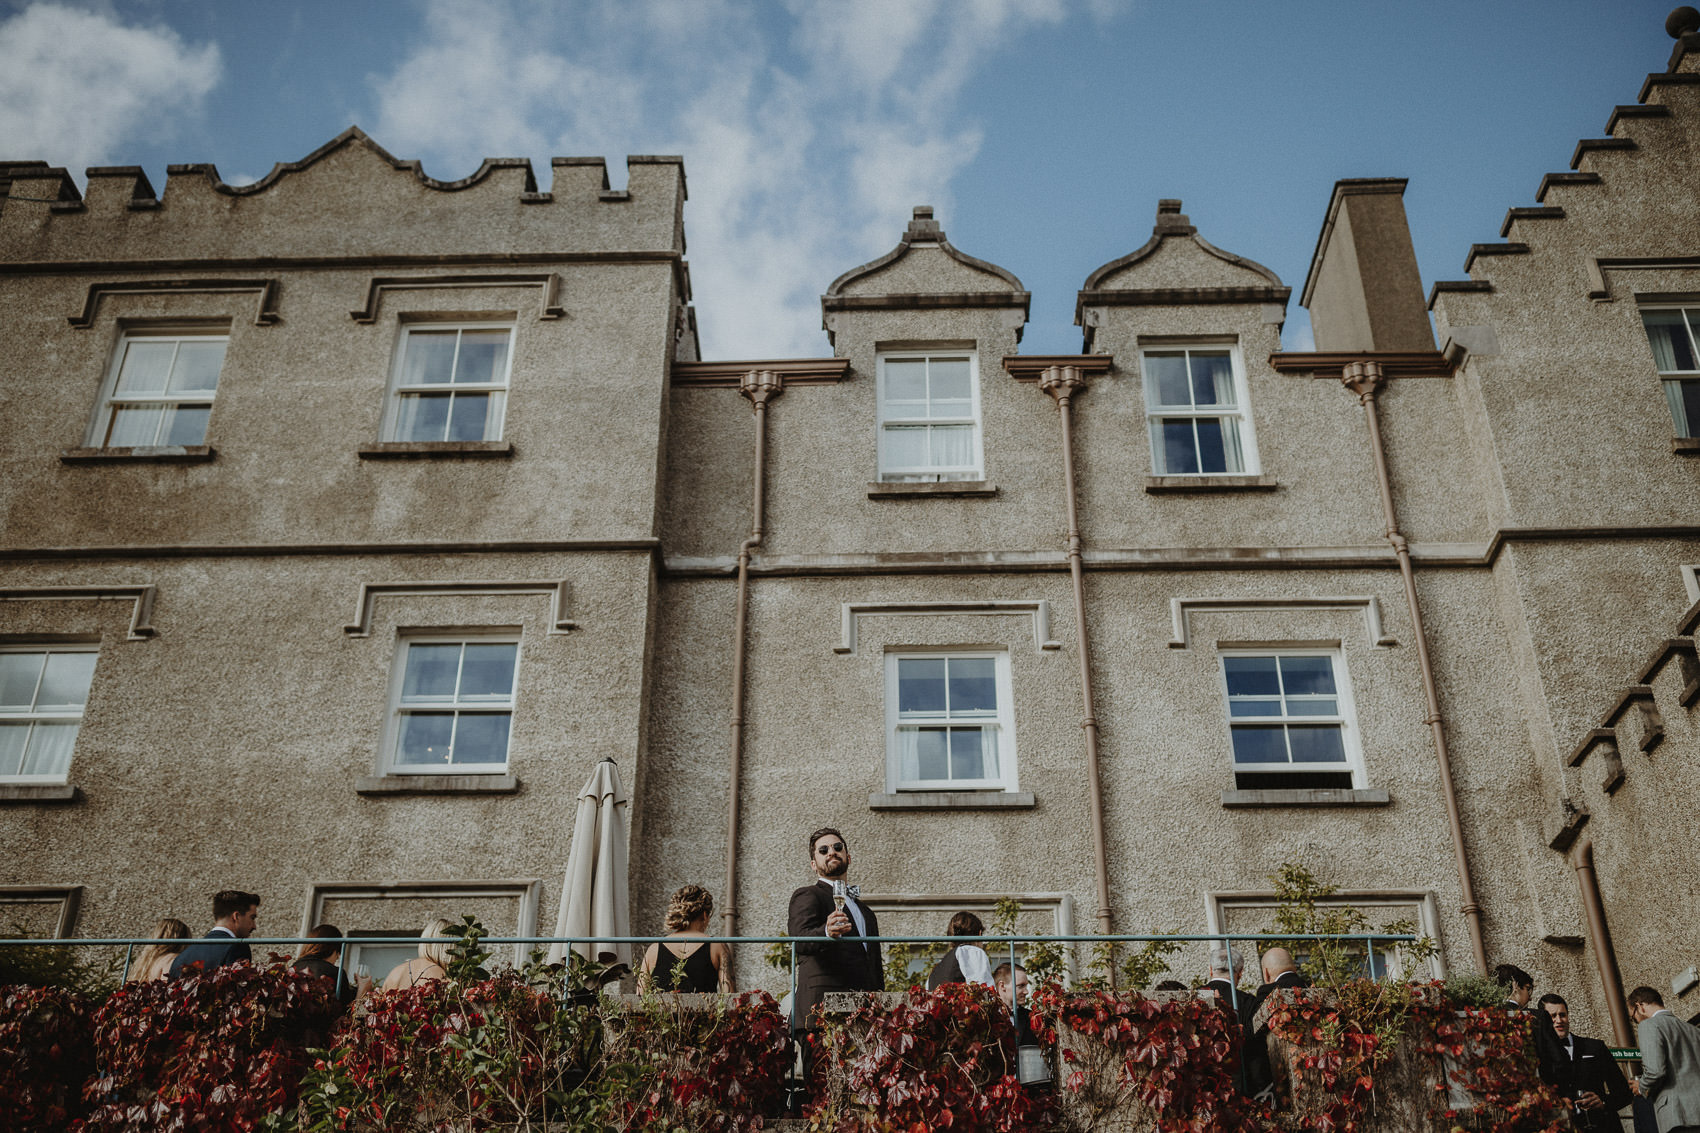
(1670, 1063)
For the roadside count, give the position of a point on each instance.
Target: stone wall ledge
(1307, 797)
(39, 793)
(931, 489)
(437, 785)
(953, 800)
(415, 450)
(1201, 485)
(140, 454)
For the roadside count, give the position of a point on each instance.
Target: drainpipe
(1365, 380)
(759, 387)
(1599, 933)
(1061, 382)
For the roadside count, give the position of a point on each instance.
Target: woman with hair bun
(675, 963)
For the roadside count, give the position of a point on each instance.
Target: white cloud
(74, 83)
(808, 131)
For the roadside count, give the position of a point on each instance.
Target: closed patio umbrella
(594, 899)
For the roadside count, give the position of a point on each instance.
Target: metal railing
(1011, 941)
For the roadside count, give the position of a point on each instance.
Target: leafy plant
(223, 1049)
(47, 965)
(943, 1058)
(1044, 960)
(713, 1068)
(1146, 966)
(46, 1052)
(1472, 989)
(467, 956)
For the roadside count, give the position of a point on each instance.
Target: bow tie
(854, 892)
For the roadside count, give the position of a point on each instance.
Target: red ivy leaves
(941, 1059)
(46, 1051)
(217, 1050)
(718, 1070)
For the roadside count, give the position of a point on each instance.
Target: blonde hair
(173, 934)
(689, 903)
(436, 942)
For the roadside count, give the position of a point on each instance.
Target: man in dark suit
(1594, 1084)
(234, 915)
(843, 961)
(1279, 972)
(1234, 1003)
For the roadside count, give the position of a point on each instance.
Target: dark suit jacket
(218, 948)
(1551, 1062)
(1259, 1072)
(824, 964)
(1591, 1069)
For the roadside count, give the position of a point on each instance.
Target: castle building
(347, 519)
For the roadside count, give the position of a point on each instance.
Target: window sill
(416, 450)
(149, 454)
(1305, 797)
(1186, 485)
(436, 785)
(1685, 446)
(908, 489)
(39, 793)
(953, 800)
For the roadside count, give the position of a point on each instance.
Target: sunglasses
(835, 848)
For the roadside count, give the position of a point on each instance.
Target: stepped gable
(350, 197)
(924, 271)
(1176, 266)
(1644, 167)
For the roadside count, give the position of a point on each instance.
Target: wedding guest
(235, 913)
(681, 961)
(430, 965)
(966, 963)
(153, 962)
(325, 959)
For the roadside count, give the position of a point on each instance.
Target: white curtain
(952, 446)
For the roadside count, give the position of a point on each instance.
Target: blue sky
(1043, 131)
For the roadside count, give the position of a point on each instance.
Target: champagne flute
(838, 896)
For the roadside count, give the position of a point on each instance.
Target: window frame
(1380, 905)
(100, 428)
(1241, 412)
(1003, 721)
(495, 420)
(397, 711)
(33, 716)
(887, 474)
(1345, 713)
(1690, 313)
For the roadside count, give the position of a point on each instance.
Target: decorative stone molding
(1640, 697)
(141, 614)
(140, 454)
(38, 793)
(265, 316)
(361, 626)
(1040, 608)
(930, 489)
(548, 281)
(1598, 266)
(1576, 816)
(1394, 364)
(792, 371)
(1032, 367)
(1182, 609)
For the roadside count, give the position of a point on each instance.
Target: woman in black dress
(324, 959)
(680, 963)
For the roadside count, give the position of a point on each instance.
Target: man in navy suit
(1594, 1084)
(234, 914)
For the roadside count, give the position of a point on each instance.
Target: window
(451, 383)
(1291, 721)
(948, 723)
(1673, 333)
(160, 391)
(42, 694)
(1387, 910)
(453, 706)
(929, 411)
(1194, 401)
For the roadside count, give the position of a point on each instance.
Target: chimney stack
(1363, 291)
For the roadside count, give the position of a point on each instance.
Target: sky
(1042, 131)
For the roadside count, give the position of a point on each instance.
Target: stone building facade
(348, 518)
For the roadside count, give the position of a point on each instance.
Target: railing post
(129, 952)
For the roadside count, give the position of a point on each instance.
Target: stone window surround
(1420, 901)
(100, 426)
(527, 891)
(1060, 906)
(68, 898)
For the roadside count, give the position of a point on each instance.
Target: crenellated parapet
(349, 199)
